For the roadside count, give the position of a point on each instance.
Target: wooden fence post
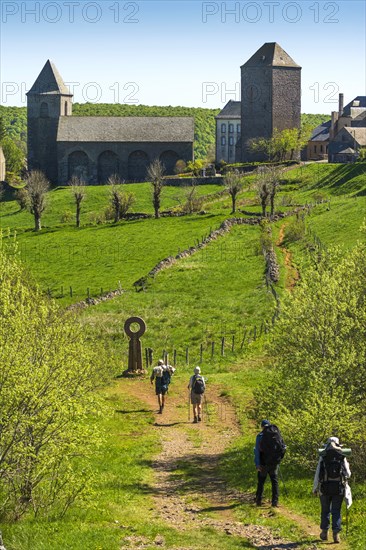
(88, 291)
(212, 349)
(243, 340)
(187, 355)
(255, 332)
(174, 357)
(223, 346)
(147, 358)
(201, 352)
(71, 291)
(233, 343)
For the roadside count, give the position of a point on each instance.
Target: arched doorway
(108, 164)
(138, 163)
(169, 159)
(78, 165)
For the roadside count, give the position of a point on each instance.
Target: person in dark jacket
(263, 469)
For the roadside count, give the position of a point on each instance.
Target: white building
(228, 132)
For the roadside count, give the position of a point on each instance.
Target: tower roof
(49, 81)
(271, 55)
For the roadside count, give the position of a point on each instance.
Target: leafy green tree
(14, 158)
(2, 130)
(319, 365)
(37, 186)
(120, 200)
(48, 400)
(155, 174)
(77, 188)
(234, 184)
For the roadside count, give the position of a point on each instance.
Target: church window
(231, 128)
(223, 140)
(223, 128)
(231, 140)
(44, 110)
(238, 128)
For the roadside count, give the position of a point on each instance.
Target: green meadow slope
(217, 292)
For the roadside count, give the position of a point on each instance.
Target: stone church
(270, 99)
(94, 148)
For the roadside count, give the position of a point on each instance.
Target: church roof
(271, 55)
(128, 129)
(232, 109)
(49, 81)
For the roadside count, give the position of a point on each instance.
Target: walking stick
(284, 486)
(189, 408)
(346, 520)
(208, 414)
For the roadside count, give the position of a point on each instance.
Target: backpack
(198, 386)
(272, 446)
(166, 377)
(332, 473)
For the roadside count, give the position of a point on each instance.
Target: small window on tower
(238, 128)
(44, 110)
(223, 140)
(231, 128)
(223, 128)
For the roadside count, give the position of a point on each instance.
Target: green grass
(213, 293)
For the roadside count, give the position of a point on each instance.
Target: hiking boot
(160, 410)
(336, 537)
(199, 419)
(258, 502)
(324, 535)
(275, 504)
(195, 420)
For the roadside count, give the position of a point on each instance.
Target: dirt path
(189, 492)
(292, 274)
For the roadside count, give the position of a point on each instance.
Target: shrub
(67, 216)
(295, 231)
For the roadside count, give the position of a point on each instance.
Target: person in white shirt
(332, 488)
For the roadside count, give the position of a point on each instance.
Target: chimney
(333, 123)
(340, 104)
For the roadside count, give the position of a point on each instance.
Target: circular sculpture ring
(141, 330)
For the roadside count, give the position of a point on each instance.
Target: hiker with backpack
(197, 388)
(330, 482)
(162, 375)
(269, 450)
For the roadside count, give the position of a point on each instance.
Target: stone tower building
(48, 100)
(270, 96)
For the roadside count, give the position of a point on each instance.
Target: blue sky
(180, 52)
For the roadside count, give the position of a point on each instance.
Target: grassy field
(216, 292)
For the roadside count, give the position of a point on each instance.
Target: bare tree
(268, 182)
(37, 186)
(155, 174)
(120, 200)
(193, 202)
(262, 188)
(77, 187)
(234, 184)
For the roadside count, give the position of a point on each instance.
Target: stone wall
(124, 154)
